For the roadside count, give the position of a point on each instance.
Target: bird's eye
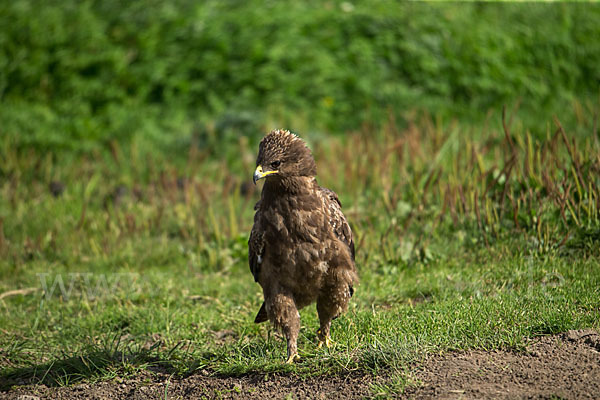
(275, 164)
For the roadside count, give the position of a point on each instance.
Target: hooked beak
(259, 174)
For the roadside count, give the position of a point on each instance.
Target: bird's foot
(324, 339)
(292, 357)
(327, 342)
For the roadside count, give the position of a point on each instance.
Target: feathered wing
(256, 248)
(337, 219)
(256, 244)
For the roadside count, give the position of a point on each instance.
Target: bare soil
(564, 366)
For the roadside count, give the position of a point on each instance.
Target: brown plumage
(301, 248)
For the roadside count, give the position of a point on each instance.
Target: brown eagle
(301, 248)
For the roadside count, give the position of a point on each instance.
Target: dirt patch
(255, 386)
(566, 366)
(562, 366)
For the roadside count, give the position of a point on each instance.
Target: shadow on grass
(92, 366)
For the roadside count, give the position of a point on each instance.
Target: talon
(328, 342)
(292, 358)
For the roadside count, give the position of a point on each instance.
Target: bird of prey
(301, 248)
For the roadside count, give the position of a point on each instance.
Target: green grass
(75, 75)
(464, 240)
(144, 118)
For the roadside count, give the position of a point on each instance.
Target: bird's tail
(262, 315)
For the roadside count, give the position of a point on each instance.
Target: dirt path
(199, 386)
(562, 366)
(565, 366)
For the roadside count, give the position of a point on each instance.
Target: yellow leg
(327, 341)
(292, 358)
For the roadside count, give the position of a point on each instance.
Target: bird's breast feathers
(286, 222)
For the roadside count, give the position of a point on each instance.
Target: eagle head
(282, 154)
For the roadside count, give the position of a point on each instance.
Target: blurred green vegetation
(128, 134)
(120, 265)
(78, 75)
